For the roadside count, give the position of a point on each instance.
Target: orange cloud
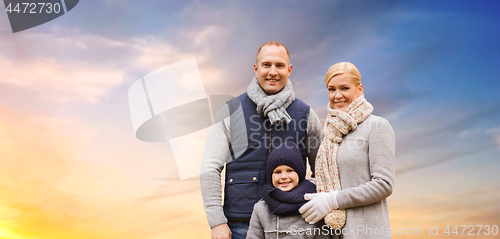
(49, 190)
(33, 161)
(471, 208)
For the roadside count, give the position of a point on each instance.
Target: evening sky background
(71, 167)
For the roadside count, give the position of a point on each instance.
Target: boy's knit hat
(286, 154)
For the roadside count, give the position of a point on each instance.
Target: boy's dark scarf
(287, 203)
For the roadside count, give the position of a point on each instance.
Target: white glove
(319, 205)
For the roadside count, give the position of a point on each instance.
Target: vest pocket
(242, 191)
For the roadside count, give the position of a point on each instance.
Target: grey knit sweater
(264, 225)
(216, 152)
(366, 169)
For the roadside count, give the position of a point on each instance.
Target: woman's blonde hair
(343, 68)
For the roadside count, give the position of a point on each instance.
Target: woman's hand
(318, 206)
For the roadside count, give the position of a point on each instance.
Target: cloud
(61, 66)
(429, 137)
(206, 35)
(34, 160)
(153, 53)
(71, 65)
(495, 133)
(473, 208)
(60, 81)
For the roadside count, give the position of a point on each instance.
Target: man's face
(272, 68)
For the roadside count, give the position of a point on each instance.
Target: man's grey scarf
(272, 106)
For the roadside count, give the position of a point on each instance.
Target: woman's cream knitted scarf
(338, 124)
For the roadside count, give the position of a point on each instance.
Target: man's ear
(290, 70)
(255, 68)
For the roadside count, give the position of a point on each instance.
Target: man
(247, 129)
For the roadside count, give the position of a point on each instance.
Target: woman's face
(342, 91)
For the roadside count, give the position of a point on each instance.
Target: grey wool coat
(263, 224)
(365, 161)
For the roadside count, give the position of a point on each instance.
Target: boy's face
(285, 178)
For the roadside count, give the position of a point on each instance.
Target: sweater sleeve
(255, 230)
(381, 154)
(216, 151)
(313, 138)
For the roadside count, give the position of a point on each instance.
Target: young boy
(277, 214)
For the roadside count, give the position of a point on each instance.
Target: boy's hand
(319, 205)
(221, 231)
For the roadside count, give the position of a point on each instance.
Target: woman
(355, 162)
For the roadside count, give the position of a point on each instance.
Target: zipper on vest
(270, 141)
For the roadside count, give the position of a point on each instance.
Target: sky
(71, 165)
